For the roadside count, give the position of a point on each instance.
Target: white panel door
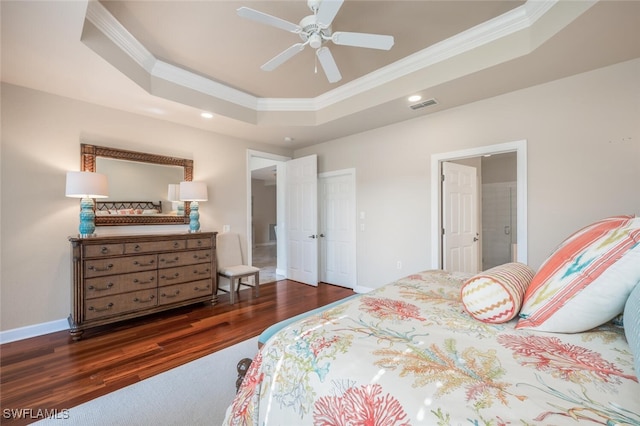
(302, 219)
(460, 218)
(337, 229)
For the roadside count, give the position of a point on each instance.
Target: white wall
(41, 137)
(583, 136)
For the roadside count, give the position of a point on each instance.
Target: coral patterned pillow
(587, 280)
(495, 295)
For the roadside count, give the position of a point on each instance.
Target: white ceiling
(173, 59)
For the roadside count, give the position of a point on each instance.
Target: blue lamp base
(87, 218)
(194, 216)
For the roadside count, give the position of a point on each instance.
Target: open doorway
(265, 247)
(517, 233)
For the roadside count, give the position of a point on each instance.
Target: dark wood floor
(51, 372)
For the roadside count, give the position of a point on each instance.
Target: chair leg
(232, 292)
(256, 287)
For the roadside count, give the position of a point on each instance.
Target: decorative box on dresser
(127, 276)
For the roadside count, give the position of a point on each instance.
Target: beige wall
(583, 136)
(264, 210)
(41, 137)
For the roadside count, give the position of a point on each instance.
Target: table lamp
(193, 192)
(174, 197)
(87, 186)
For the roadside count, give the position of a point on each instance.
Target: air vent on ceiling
(423, 104)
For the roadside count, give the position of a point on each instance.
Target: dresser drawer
(182, 274)
(186, 291)
(99, 250)
(114, 284)
(119, 265)
(153, 246)
(199, 243)
(120, 303)
(167, 260)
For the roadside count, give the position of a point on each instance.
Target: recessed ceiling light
(206, 115)
(415, 98)
(288, 139)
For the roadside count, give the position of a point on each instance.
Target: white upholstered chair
(232, 267)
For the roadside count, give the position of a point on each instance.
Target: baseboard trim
(33, 330)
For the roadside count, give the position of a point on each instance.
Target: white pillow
(587, 280)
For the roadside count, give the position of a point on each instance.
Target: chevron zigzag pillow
(495, 295)
(587, 280)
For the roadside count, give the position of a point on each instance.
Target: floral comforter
(408, 354)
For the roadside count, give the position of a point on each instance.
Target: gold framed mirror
(127, 206)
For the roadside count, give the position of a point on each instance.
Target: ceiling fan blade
(283, 57)
(371, 41)
(264, 18)
(328, 64)
(327, 11)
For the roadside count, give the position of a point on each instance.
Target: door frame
(520, 148)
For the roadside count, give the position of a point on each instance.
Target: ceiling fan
(315, 31)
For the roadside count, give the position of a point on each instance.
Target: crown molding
(516, 20)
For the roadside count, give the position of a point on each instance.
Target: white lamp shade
(174, 192)
(87, 185)
(193, 191)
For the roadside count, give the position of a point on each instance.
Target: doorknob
(321, 235)
(312, 236)
(475, 239)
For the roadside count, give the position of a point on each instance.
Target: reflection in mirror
(138, 185)
(130, 180)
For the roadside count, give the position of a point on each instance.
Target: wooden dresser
(122, 277)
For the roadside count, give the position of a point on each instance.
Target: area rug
(197, 393)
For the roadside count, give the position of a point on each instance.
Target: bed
(443, 348)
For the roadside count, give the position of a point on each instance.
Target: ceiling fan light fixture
(315, 30)
(315, 40)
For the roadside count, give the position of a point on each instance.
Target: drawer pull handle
(206, 271)
(176, 244)
(104, 250)
(195, 256)
(137, 247)
(144, 301)
(199, 243)
(137, 281)
(196, 288)
(101, 288)
(94, 268)
(168, 278)
(151, 262)
(174, 260)
(171, 295)
(108, 307)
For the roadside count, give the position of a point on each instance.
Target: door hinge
(442, 231)
(442, 177)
